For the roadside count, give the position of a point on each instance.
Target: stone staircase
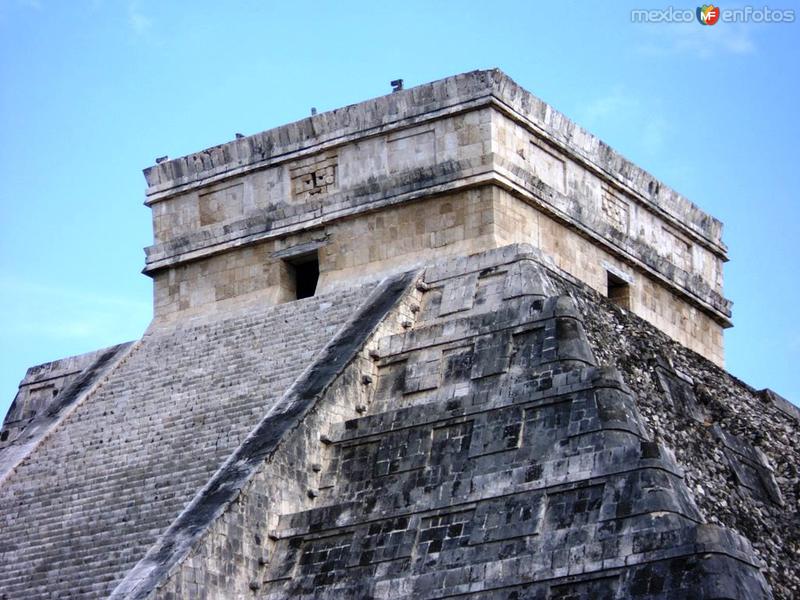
(454, 438)
(81, 510)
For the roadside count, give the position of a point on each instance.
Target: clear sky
(91, 92)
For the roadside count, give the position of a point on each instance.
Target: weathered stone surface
(454, 167)
(46, 396)
(535, 476)
(730, 408)
(453, 414)
(85, 506)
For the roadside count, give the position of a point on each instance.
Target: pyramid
(439, 344)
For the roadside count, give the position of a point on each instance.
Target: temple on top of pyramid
(458, 166)
(442, 343)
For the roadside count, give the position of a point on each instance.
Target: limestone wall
(349, 251)
(290, 190)
(590, 263)
(458, 166)
(607, 201)
(408, 235)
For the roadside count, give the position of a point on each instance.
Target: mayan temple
(439, 344)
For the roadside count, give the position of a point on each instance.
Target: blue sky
(92, 91)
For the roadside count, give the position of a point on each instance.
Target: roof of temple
(466, 91)
(487, 427)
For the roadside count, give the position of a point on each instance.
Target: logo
(708, 14)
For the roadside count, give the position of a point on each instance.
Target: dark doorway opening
(619, 291)
(305, 270)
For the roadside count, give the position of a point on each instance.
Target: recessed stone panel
(224, 204)
(548, 166)
(680, 251)
(507, 517)
(616, 209)
(410, 150)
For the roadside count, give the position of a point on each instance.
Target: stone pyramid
(444, 417)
